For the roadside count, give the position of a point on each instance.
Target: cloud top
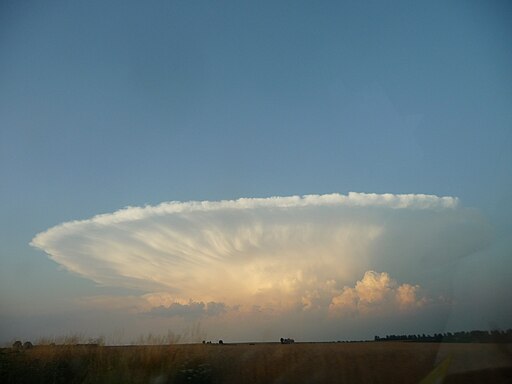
(353, 199)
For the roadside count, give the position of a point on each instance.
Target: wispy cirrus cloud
(314, 252)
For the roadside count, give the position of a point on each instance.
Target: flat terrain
(368, 362)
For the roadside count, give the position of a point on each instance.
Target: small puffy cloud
(376, 292)
(215, 309)
(190, 310)
(280, 254)
(407, 296)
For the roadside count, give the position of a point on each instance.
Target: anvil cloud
(331, 254)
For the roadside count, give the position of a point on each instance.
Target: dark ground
(368, 362)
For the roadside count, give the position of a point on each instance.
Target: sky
(247, 171)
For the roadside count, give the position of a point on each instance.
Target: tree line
(494, 336)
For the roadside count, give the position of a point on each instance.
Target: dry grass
(389, 362)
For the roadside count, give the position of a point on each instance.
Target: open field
(372, 362)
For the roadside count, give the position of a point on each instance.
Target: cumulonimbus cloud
(276, 253)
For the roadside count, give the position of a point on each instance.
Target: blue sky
(104, 106)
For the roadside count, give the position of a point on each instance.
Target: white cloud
(276, 254)
(374, 293)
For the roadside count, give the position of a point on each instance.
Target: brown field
(368, 362)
